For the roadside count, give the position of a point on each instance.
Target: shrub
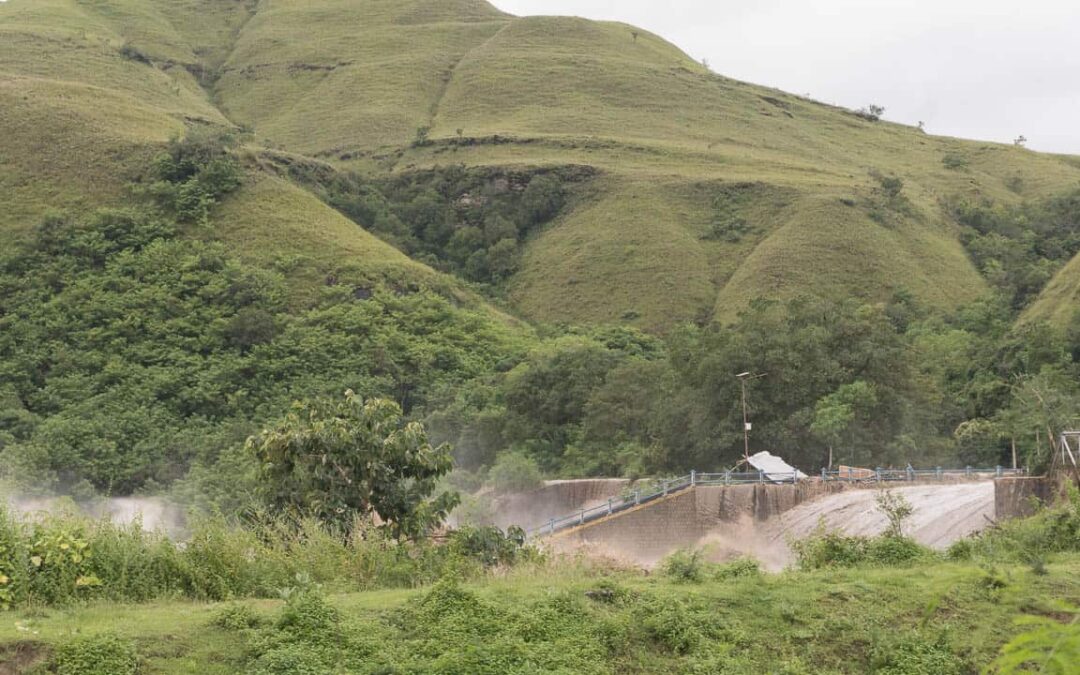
(896, 508)
(1029, 540)
(514, 472)
(954, 161)
(684, 566)
(133, 53)
(833, 549)
(194, 173)
(915, 654)
(489, 545)
(422, 138)
(236, 618)
(739, 568)
(102, 654)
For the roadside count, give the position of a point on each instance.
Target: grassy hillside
(1059, 303)
(90, 91)
(670, 232)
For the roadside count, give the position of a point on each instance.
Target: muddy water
(942, 515)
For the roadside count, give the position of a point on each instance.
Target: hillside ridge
(666, 235)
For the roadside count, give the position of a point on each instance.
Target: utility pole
(743, 377)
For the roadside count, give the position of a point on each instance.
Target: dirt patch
(20, 657)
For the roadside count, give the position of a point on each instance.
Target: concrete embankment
(761, 520)
(555, 499)
(649, 532)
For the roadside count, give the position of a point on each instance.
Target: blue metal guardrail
(673, 485)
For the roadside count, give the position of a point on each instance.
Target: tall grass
(59, 559)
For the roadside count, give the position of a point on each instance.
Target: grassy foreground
(577, 617)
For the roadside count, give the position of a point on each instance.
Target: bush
(236, 618)
(514, 472)
(833, 549)
(1029, 540)
(133, 53)
(194, 173)
(740, 568)
(489, 545)
(684, 566)
(954, 161)
(102, 654)
(915, 654)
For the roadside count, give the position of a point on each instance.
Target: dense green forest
(135, 357)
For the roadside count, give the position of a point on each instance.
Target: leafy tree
(193, 173)
(514, 472)
(835, 414)
(347, 458)
(896, 509)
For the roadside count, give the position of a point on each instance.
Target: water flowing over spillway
(942, 514)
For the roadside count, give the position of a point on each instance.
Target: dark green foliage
(128, 354)
(101, 654)
(344, 459)
(684, 566)
(468, 221)
(193, 174)
(832, 549)
(236, 617)
(887, 200)
(729, 222)
(916, 654)
(133, 53)
(1019, 249)
(954, 161)
(514, 472)
(1051, 530)
(490, 546)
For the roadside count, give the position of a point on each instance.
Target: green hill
(711, 191)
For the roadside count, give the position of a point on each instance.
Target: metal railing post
(761, 476)
(967, 471)
(693, 476)
(824, 475)
(940, 476)
(877, 472)
(609, 506)
(581, 517)
(999, 471)
(727, 477)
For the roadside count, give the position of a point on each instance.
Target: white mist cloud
(986, 69)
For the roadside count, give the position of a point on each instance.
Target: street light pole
(745, 419)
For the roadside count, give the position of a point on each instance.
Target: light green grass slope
(1059, 303)
(351, 81)
(80, 118)
(343, 75)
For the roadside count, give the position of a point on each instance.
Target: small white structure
(775, 468)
